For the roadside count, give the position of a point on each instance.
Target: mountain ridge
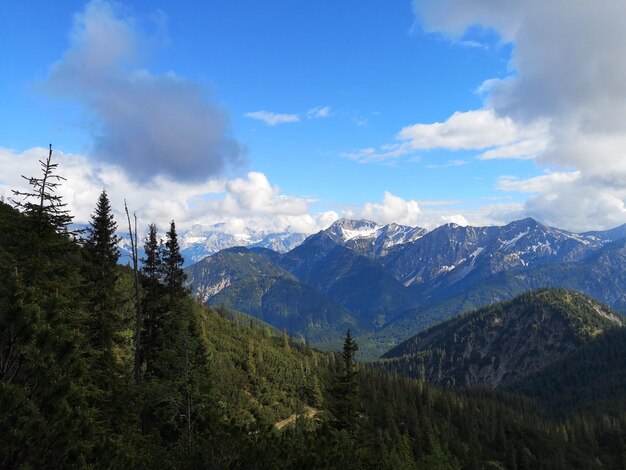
(392, 294)
(499, 344)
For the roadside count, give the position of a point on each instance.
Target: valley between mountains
(388, 283)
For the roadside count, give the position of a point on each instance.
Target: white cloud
(272, 119)
(371, 154)
(523, 149)
(570, 200)
(448, 164)
(255, 195)
(538, 183)
(318, 112)
(392, 209)
(251, 201)
(471, 130)
(463, 130)
(432, 214)
(566, 72)
(579, 205)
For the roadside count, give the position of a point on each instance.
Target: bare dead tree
(138, 319)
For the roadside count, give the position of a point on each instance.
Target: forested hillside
(97, 373)
(497, 345)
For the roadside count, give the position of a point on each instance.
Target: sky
(283, 115)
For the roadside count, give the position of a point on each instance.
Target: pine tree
(102, 255)
(346, 389)
(105, 322)
(153, 303)
(177, 390)
(45, 208)
(349, 350)
(173, 275)
(42, 382)
(151, 265)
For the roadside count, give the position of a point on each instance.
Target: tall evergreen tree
(106, 323)
(151, 264)
(42, 383)
(346, 389)
(153, 302)
(102, 255)
(173, 275)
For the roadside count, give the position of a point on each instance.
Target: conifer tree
(346, 389)
(102, 255)
(151, 266)
(173, 275)
(153, 302)
(45, 208)
(178, 387)
(42, 382)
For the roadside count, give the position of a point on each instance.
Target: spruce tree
(46, 210)
(177, 390)
(346, 389)
(173, 275)
(105, 323)
(102, 255)
(151, 264)
(153, 303)
(42, 383)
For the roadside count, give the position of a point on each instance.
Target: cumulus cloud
(242, 202)
(579, 205)
(566, 72)
(393, 209)
(470, 130)
(432, 214)
(246, 202)
(272, 119)
(318, 112)
(570, 200)
(151, 125)
(465, 130)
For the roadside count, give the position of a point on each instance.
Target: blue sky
(284, 115)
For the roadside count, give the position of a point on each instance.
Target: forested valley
(105, 366)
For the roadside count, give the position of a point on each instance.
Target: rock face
(498, 345)
(452, 254)
(370, 239)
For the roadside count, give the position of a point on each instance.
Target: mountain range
(204, 240)
(390, 282)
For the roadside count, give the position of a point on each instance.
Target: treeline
(88, 380)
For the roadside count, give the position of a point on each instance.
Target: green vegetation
(214, 389)
(499, 344)
(250, 283)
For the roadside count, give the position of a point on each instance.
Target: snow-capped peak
(356, 233)
(343, 230)
(204, 240)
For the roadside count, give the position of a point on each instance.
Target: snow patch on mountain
(370, 238)
(202, 241)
